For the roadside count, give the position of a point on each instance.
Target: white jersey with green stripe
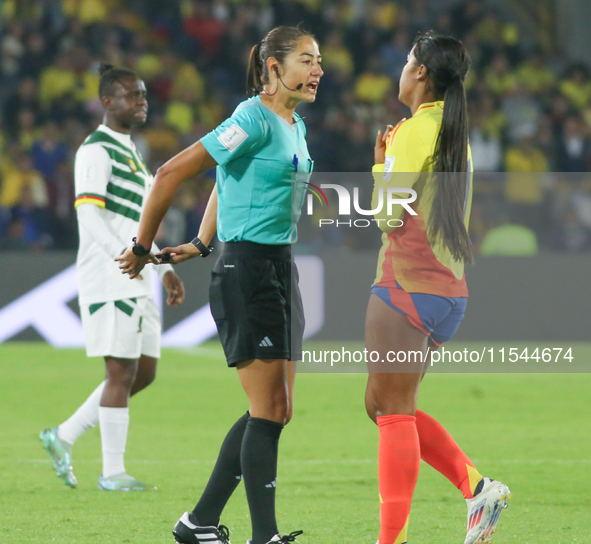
(110, 173)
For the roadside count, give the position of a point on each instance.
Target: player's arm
(92, 171)
(91, 222)
(399, 156)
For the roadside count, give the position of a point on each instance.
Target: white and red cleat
(484, 511)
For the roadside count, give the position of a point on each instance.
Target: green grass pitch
(530, 431)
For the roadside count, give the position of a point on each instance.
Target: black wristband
(139, 249)
(205, 250)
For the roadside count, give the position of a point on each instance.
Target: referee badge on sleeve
(232, 137)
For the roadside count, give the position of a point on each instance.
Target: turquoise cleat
(122, 482)
(60, 455)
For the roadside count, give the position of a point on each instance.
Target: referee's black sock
(259, 467)
(224, 479)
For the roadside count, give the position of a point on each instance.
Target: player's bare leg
(391, 399)
(116, 389)
(485, 498)
(145, 375)
(120, 375)
(58, 441)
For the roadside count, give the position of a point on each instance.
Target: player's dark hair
(278, 43)
(111, 75)
(447, 63)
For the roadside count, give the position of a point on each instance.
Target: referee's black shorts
(256, 302)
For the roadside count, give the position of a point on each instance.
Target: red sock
(398, 470)
(440, 450)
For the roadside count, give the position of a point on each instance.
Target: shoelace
(291, 537)
(224, 533)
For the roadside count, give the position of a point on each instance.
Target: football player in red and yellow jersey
(419, 296)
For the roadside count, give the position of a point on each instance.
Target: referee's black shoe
(186, 532)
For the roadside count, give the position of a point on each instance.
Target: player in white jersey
(120, 319)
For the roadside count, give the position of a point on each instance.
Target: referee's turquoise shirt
(257, 152)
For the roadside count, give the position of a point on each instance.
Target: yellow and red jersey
(407, 259)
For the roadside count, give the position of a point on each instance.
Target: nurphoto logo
(391, 199)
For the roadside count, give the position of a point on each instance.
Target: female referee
(419, 296)
(254, 294)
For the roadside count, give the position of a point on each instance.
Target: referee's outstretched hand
(179, 254)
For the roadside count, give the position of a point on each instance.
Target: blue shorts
(436, 316)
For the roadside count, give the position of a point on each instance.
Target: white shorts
(124, 329)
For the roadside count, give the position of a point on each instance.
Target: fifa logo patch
(232, 137)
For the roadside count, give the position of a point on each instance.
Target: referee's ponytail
(278, 43)
(447, 63)
(254, 74)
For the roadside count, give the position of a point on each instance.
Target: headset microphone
(289, 89)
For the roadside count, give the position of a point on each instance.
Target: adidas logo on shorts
(265, 342)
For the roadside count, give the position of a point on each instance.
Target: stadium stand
(530, 107)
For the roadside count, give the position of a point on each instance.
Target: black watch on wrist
(205, 250)
(139, 249)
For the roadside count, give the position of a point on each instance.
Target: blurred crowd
(530, 107)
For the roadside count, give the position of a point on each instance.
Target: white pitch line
(319, 461)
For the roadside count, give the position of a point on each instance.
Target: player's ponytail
(104, 67)
(447, 63)
(278, 43)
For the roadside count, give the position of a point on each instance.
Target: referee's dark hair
(111, 75)
(278, 43)
(447, 62)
